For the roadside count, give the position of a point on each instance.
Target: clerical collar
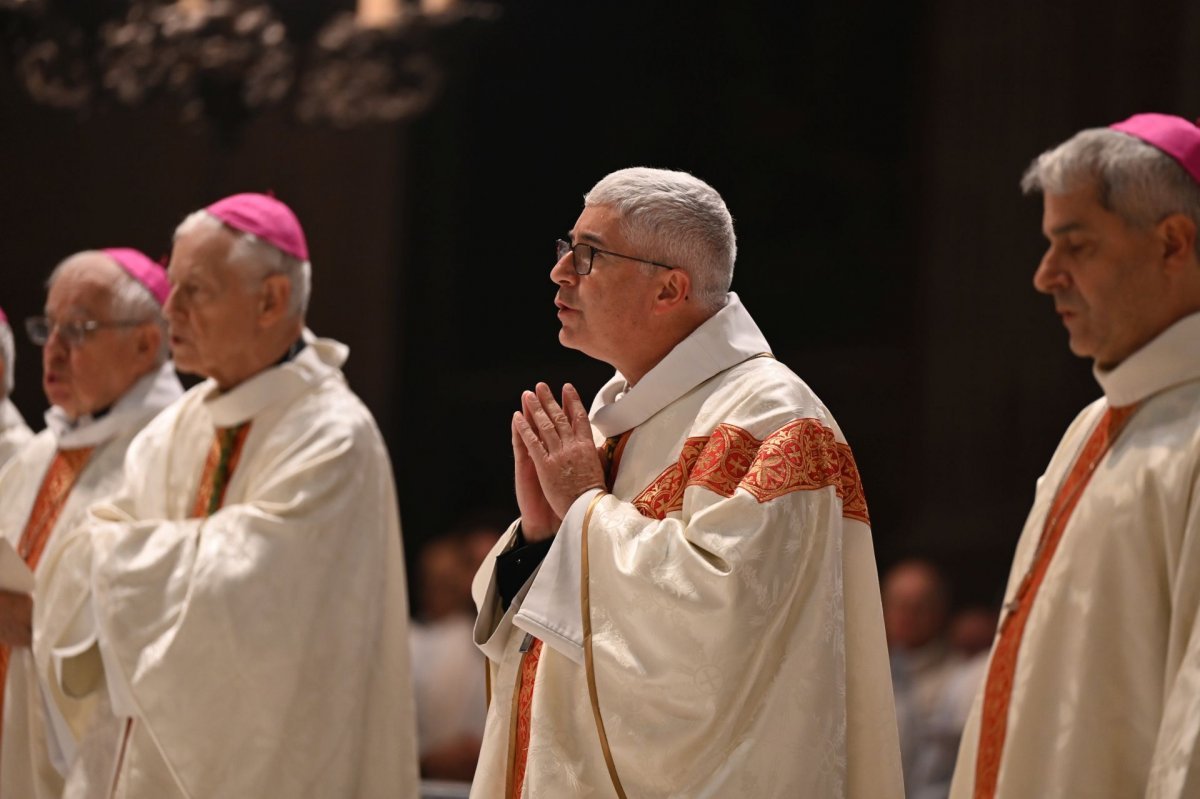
(1170, 359)
(146, 397)
(727, 338)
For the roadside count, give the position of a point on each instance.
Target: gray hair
(1136, 181)
(261, 257)
(8, 356)
(675, 218)
(130, 301)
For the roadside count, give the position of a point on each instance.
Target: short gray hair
(8, 355)
(675, 218)
(1136, 181)
(130, 300)
(260, 256)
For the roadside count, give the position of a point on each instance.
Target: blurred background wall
(869, 152)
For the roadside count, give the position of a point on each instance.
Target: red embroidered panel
(800, 456)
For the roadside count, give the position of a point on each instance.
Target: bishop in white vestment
(106, 383)
(1093, 683)
(246, 584)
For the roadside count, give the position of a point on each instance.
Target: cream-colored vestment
(1106, 689)
(736, 639)
(30, 765)
(260, 651)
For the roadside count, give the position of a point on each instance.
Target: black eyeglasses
(583, 256)
(74, 332)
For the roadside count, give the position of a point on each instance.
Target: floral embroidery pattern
(800, 456)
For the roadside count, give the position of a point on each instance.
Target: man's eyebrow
(589, 238)
(1069, 227)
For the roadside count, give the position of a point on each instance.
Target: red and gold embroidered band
(998, 688)
(803, 455)
(51, 498)
(222, 459)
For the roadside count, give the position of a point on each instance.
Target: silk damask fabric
(726, 616)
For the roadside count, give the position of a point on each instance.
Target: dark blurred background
(869, 152)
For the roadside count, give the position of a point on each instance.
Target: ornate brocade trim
(803, 455)
(1002, 668)
(524, 712)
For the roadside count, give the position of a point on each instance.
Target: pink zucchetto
(142, 269)
(264, 217)
(1175, 136)
(3, 318)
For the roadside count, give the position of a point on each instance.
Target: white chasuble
(260, 651)
(1105, 696)
(32, 760)
(711, 627)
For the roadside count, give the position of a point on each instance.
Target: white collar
(318, 361)
(1170, 359)
(727, 338)
(149, 395)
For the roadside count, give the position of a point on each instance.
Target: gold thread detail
(589, 668)
(514, 714)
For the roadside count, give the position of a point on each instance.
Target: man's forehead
(200, 250)
(1072, 211)
(598, 224)
(84, 280)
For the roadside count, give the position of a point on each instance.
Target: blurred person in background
(243, 591)
(13, 430)
(932, 680)
(447, 668)
(105, 374)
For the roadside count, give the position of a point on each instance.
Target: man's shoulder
(331, 408)
(762, 394)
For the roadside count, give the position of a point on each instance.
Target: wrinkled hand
(538, 519)
(557, 443)
(16, 618)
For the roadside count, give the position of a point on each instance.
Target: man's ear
(274, 299)
(1177, 236)
(674, 290)
(149, 340)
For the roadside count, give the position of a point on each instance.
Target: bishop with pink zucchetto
(106, 374)
(243, 592)
(1093, 682)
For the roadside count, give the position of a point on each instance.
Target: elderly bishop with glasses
(243, 593)
(688, 605)
(106, 374)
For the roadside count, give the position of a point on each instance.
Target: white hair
(260, 257)
(8, 356)
(130, 301)
(1136, 181)
(677, 219)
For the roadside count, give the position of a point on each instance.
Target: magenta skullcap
(1174, 135)
(142, 269)
(264, 217)
(3, 318)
